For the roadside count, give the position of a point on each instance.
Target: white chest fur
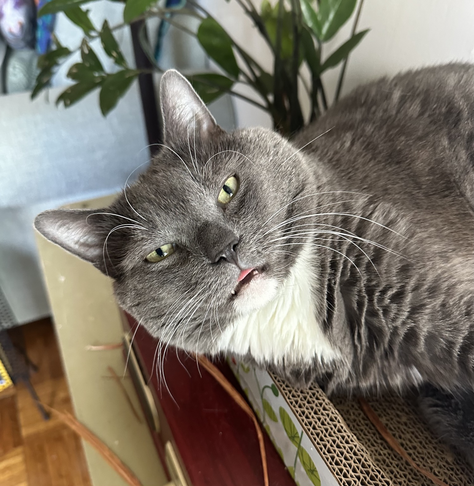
(286, 327)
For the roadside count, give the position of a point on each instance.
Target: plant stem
(296, 121)
(174, 24)
(305, 85)
(323, 94)
(255, 82)
(281, 123)
(253, 14)
(297, 451)
(249, 100)
(344, 64)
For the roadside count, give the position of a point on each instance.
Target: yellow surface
(85, 313)
(5, 380)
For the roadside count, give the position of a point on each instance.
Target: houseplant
(296, 32)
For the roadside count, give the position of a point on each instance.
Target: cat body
(406, 313)
(345, 256)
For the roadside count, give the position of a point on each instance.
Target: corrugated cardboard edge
(353, 450)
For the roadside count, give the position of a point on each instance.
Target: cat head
(201, 238)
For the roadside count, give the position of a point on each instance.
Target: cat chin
(255, 295)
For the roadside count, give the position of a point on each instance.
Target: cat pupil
(228, 190)
(160, 252)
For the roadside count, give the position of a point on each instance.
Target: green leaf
(245, 368)
(134, 8)
(55, 6)
(111, 46)
(280, 452)
(266, 81)
(76, 92)
(267, 429)
(274, 389)
(266, 9)
(89, 58)
(218, 46)
(42, 81)
(309, 467)
(310, 53)
(80, 72)
(333, 14)
(210, 86)
(291, 470)
(289, 426)
(270, 20)
(343, 51)
(311, 18)
(81, 18)
(56, 40)
(269, 410)
(52, 57)
(114, 87)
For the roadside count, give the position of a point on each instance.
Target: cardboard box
(333, 443)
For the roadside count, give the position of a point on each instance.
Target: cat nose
(228, 253)
(218, 242)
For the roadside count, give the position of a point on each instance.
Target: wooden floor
(34, 452)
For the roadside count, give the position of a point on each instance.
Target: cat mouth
(245, 277)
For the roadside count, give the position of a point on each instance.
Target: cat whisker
(194, 162)
(226, 151)
(184, 323)
(309, 143)
(179, 157)
(322, 246)
(173, 327)
(104, 248)
(173, 306)
(116, 215)
(316, 215)
(313, 195)
(343, 233)
(210, 307)
(181, 329)
(311, 234)
(125, 190)
(130, 349)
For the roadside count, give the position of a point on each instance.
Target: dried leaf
(393, 443)
(95, 442)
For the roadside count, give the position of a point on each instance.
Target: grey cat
(344, 256)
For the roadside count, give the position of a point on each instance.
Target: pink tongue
(244, 273)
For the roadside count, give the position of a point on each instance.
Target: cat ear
(77, 233)
(183, 112)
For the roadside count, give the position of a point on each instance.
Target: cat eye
(160, 253)
(228, 191)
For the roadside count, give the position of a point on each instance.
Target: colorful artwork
(44, 29)
(17, 23)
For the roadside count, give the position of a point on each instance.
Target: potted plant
(296, 32)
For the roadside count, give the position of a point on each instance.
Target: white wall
(50, 156)
(403, 34)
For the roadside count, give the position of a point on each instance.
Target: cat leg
(451, 417)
